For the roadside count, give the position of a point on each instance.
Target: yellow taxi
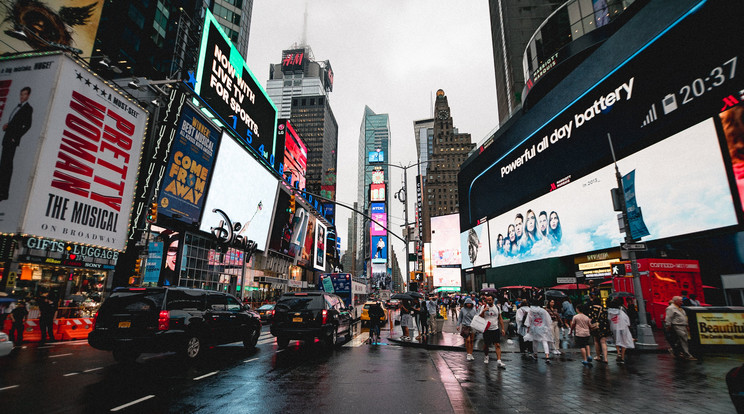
(365, 312)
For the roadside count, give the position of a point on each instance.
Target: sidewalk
(450, 340)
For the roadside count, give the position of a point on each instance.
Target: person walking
(538, 329)
(423, 314)
(581, 329)
(676, 322)
(416, 315)
(492, 314)
(521, 318)
(431, 309)
(600, 330)
(556, 326)
(567, 313)
(376, 319)
(46, 318)
(18, 319)
(620, 327)
(453, 309)
(406, 321)
(463, 326)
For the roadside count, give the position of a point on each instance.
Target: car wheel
(332, 339)
(251, 340)
(193, 347)
(125, 356)
(282, 342)
(349, 332)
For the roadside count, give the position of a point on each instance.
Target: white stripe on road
(10, 387)
(265, 341)
(60, 355)
(70, 374)
(93, 369)
(205, 375)
(121, 407)
(358, 341)
(250, 360)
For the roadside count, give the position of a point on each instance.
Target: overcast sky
(391, 55)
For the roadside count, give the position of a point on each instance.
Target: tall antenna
(304, 27)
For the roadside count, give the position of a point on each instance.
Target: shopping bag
(479, 323)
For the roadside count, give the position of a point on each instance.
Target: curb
(434, 347)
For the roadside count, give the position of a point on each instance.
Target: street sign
(618, 269)
(564, 280)
(633, 246)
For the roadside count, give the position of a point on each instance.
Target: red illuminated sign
(293, 60)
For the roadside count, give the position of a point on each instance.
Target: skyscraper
(300, 88)
(513, 22)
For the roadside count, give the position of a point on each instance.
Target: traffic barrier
(32, 330)
(75, 328)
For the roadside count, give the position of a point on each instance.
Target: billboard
(243, 190)
(380, 277)
(556, 225)
(377, 192)
(379, 249)
(376, 156)
(475, 242)
(380, 216)
(446, 276)
(293, 60)
(295, 154)
(320, 243)
(227, 85)
(36, 25)
(281, 230)
(308, 248)
(445, 240)
(299, 230)
(70, 153)
(189, 168)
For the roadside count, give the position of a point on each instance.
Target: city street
(71, 377)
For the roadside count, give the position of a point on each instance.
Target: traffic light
(292, 204)
(152, 215)
(138, 266)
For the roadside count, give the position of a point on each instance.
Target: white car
(6, 345)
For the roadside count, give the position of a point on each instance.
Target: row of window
(226, 14)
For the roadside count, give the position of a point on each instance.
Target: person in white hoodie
(539, 329)
(521, 317)
(620, 326)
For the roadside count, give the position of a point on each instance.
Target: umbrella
(517, 287)
(401, 296)
(570, 286)
(489, 290)
(415, 294)
(622, 295)
(555, 294)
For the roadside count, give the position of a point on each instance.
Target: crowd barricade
(74, 328)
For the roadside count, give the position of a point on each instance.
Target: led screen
(377, 192)
(320, 243)
(445, 245)
(475, 243)
(679, 192)
(447, 276)
(379, 249)
(378, 214)
(244, 190)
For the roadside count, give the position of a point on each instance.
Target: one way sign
(618, 269)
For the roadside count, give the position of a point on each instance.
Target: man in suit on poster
(17, 126)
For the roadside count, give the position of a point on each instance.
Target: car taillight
(4, 338)
(324, 314)
(164, 320)
(95, 318)
(271, 312)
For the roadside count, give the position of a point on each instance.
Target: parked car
(266, 312)
(365, 313)
(6, 345)
(162, 319)
(309, 315)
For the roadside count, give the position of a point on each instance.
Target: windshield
(299, 303)
(129, 302)
(266, 307)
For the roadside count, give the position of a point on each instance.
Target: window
(184, 300)
(232, 304)
(216, 302)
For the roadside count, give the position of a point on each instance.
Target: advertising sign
(378, 176)
(447, 276)
(189, 168)
(154, 262)
(308, 247)
(380, 277)
(293, 60)
(378, 214)
(320, 243)
(244, 190)
(445, 241)
(720, 328)
(376, 156)
(295, 155)
(379, 249)
(281, 230)
(556, 225)
(36, 25)
(76, 147)
(377, 192)
(299, 229)
(227, 85)
(475, 241)
(638, 228)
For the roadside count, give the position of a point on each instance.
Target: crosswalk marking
(358, 341)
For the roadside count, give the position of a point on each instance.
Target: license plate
(296, 319)
(125, 324)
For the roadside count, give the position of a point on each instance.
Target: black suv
(161, 319)
(309, 315)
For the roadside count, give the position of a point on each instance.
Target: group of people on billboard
(529, 231)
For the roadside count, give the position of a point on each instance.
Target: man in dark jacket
(17, 126)
(46, 319)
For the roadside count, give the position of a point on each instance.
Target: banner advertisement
(447, 276)
(309, 244)
(226, 83)
(720, 328)
(445, 241)
(475, 241)
(154, 262)
(555, 225)
(295, 155)
(281, 230)
(189, 168)
(299, 229)
(377, 192)
(36, 25)
(320, 242)
(379, 249)
(638, 228)
(88, 161)
(243, 190)
(378, 214)
(380, 277)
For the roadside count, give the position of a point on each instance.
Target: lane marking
(9, 387)
(358, 341)
(121, 407)
(205, 375)
(70, 374)
(93, 369)
(60, 355)
(250, 360)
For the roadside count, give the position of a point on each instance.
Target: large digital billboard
(320, 246)
(299, 229)
(281, 229)
(379, 226)
(445, 240)
(227, 85)
(189, 168)
(308, 248)
(295, 154)
(70, 155)
(475, 243)
(243, 190)
(549, 195)
(446, 276)
(377, 192)
(379, 249)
